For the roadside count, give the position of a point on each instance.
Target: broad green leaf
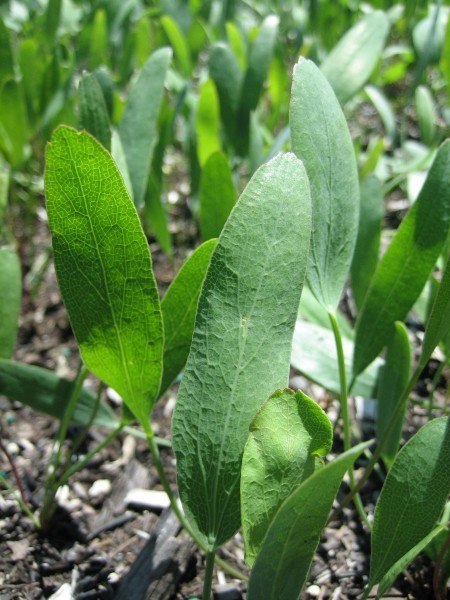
(179, 307)
(384, 109)
(137, 127)
(412, 498)
(367, 249)
(6, 54)
(46, 392)
(217, 195)
(407, 264)
(93, 113)
(437, 327)
(287, 438)
(178, 43)
(350, 64)
(241, 343)
(237, 43)
(320, 138)
(52, 17)
(314, 356)
(283, 563)
(426, 114)
(393, 379)
(10, 296)
(226, 74)
(207, 124)
(98, 47)
(104, 269)
(13, 123)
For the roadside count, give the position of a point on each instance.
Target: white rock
(313, 590)
(152, 499)
(64, 593)
(101, 487)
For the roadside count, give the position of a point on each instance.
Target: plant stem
(179, 513)
(23, 505)
(209, 571)
(344, 410)
(15, 472)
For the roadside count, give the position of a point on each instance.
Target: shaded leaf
(207, 124)
(426, 114)
(6, 54)
(288, 435)
(93, 113)
(10, 297)
(13, 123)
(178, 43)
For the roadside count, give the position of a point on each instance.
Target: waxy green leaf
(350, 64)
(104, 269)
(411, 499)
(287, 438)
(93, 112)
(320, 138)
(283, 563)
(10, 296)
(13, 122)
(179, 307)
(207, 124)
(394, 377)
(407, 264)
(367, 249)
(217, 195)
(178, 43)
(138, 125)
(242, 341)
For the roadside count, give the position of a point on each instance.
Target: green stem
(19, 501)
(209, 571)
(153, 446)
(344, 410)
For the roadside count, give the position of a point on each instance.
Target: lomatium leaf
(242, 341)
(407, 264)
(411, 500)
(138, 125)
(104, 269)
(217, 195)
(350, 63)
(179, 307)
(93, 112)
(10, 296)
(393, 379)
(320, 138)
(283, 563)
(287, 438)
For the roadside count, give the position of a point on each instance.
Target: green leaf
(104, 269)
(350, 64)
(138, 125)
(6, 54)
(394, 377)
(320, 138)
(283, 563)
(118, 155)
(46, 392)
(426, 113)
(13, 123)
(179, 307)
(311, 310)
(52, 18)
(98, 47)
(445, 56)
(93, 113)
(429, 34)
(237, 43)
(288, 435)
(383, 106)
(4, 194)
(241, 343)
(407, 264)
(314, 356)
(156, 217)
(10, 297)
(217, 195)
(367, 249)
(178, 43)
(411, 500)
(207, 123)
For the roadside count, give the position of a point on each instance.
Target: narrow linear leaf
(44, 391)
(138, 125)
(384, 109)
(179, 307)
(407, 264)
(367, 249)
(178, 43)
(241, 343)
(6, 54)
(283, 563)
(394, 377)
(426, 113)
(52, 18)
(237, 44)
(98, 46)
(118, 154)
(287, 438)
(10, 297)
(350, 64)
(13, 122)
(93, 112)
(320, 138)
(412, 497)
(207, 124)
(217, 195)
(104, 269)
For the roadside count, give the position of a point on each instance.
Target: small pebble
(99, 488)
(313, 590)
(152, 499)
(64, 593)
(13, 448)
